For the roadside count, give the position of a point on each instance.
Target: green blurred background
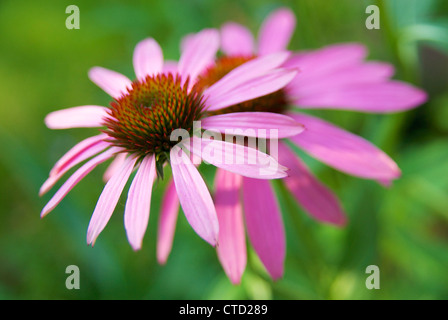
(402, 229)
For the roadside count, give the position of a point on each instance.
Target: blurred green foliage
(402, 229)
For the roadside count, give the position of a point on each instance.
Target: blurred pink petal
(236, 158)
(232, 240)
(75, 178)
(391, 96)
(108, 200)
(113, 83)
(76, 117)
(343, 150)
(236, 40)
(369, 72)
(257, 87)
(199, 52)
(194, 197)
(167, 223)
(246, 72)
(264, 225)
(315, 198)
(169, 67)
(136, 214)
(77, 158)
(276, 31)
(148, 59)
(251, 123)
(316, 63)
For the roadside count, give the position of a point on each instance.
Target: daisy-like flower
(137, 131)
(334, 77)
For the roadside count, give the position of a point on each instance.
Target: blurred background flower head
(402, 229)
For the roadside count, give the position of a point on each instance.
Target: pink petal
(74, 152)
(246, 72)
(316, 63)
(232, 240)
(236, 158)
(258, 87)
(75, 178)
(77, 158)
(264, 225)
(344, 150)
(315, 198)
(108, 200)
(148, 58)
(136, 214)
(370, 72)
(252, 122)
(194, 197)
(391, 96)
(276, 31)
(113, 83)
(236, 40)
(115, 165)
(199, 52)
(77, 117)
(170, 67)
(167, 223)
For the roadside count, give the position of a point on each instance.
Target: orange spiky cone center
(142, 120)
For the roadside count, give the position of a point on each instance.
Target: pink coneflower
(334, 77)
(137, 130)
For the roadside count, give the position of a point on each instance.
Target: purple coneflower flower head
(137, 132)
(334, 77)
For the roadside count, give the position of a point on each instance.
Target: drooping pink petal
(369, 72)
(79, 148)
(108, 200)
(315, 63)
(113, 83)
(258, 87)
(264, 225)
(75, 178)
(391, 96)
(136, 214)
(167, 223)
(115, 165)
(236, 40)
(246, 72)
(239, 159)
(276, 31)
(252, 122)
(147, 59)
(343, 150)
(199, 52)
(194, 196)
(314, 197)
(70, 163)
(231, 247)
(77, 117)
